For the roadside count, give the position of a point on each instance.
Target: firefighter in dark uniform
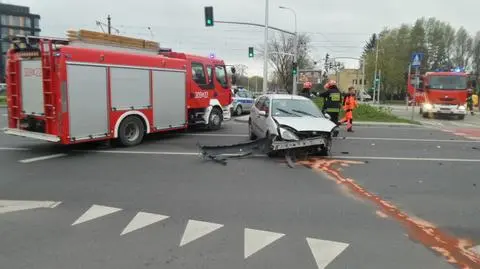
(332, 100)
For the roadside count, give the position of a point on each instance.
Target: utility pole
(265, 54)
(109, 23)
(363, 79)
(376, 68)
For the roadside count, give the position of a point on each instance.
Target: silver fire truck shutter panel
(87, 101)
(130, 88)
(169, 99)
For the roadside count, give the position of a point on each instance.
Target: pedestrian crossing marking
(196, 229)
(141, 220)
(256, 240)
(95, 211)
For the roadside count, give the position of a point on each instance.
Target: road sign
(417, 58)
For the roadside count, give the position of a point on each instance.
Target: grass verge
(3, 100)
(365, 112)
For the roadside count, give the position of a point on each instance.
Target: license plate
(279, 145)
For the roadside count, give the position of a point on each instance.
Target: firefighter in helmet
(470, 101)
(332, 100)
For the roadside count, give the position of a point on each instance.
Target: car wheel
(461, 117)
(251, 134)
(238, 110)
(327, 148)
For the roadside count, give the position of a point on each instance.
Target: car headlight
(427, 106)
(461, 108)
(287, 135)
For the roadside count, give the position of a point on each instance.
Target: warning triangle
(141, 220)
(255, 240)
(325, 251)
(196, 229)
(96, 211)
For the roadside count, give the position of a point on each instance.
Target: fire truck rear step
(35, 135)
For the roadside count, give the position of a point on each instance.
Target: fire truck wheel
(131, 131)
(215, 120)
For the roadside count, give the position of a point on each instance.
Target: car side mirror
(262, 113)
(328, 116)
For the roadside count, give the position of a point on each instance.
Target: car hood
(302, 124)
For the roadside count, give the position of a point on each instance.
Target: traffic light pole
(265, 56)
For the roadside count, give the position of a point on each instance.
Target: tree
(442, 46)
(278, 47)
(370, 45)
(462, 48)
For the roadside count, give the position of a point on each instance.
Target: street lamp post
(265, 56)
(295, 50)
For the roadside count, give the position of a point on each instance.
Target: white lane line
(179, 153)
(141, 220)
(18, 205)
(406, 139)
(96, 211)
(256, 240)
(405, 159)
(196, 229)
(41, 158)
(325, 251)
(217, 135)
(5, 115)
(14, 149)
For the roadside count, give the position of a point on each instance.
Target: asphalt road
(159, 205)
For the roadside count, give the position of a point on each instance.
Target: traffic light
(208, 16)
(250, 52)
(294, 68)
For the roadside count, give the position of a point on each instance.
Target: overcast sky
(339, 28)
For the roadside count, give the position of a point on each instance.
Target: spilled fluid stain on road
(454, 250)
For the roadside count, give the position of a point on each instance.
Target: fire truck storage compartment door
(32, 89)
(130, 88)
(87, 101)
(169, 99)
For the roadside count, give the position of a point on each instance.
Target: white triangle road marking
(141, 220)
(325, 251)
(96, 211)
(476, 249)
(18, 205)
(196, 229)
(255, 240)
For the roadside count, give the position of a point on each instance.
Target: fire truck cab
(77, 90)
(440, 93)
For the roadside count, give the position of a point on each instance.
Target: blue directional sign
(417, 58)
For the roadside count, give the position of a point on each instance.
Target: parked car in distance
(291, 118)
(242, 101)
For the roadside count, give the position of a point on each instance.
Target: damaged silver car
(293, 122)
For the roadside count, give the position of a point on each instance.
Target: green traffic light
(209, 22)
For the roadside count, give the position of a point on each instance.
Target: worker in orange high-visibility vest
(349, 104)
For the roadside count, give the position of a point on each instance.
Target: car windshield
(448, 82)
(295, 108)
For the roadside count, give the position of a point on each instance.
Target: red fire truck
(440, 93)
(70, 92)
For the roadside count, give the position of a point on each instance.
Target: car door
(249, 101)
(262, 119)
(254, 115)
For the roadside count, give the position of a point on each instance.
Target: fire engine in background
(440, 93)
(93, 86)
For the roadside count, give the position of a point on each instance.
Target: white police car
(242, 101)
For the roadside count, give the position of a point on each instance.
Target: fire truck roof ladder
(97, 40)
(31, 41)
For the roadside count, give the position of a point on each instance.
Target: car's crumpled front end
(313, 135)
